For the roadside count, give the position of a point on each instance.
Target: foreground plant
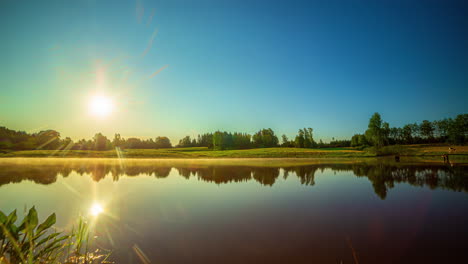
(31, 242)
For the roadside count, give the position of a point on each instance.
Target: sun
(100, 106)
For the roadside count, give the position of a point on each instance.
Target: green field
(428, 151)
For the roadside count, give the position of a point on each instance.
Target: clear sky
(178, 68)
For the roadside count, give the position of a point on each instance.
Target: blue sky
(231, 65)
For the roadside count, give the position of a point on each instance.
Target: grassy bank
(426, 151)
(195, 153)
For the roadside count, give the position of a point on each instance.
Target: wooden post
(446, 158)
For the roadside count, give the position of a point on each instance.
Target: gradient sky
(232, 65)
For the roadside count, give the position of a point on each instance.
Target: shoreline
(263, 162)
(427, 152)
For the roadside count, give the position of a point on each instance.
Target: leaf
(14, 231)
(30, 221)
(3, 217)
(11, 218)
(10, 226)
(47, 223)
(38, 235)
(46, 250)
(33, 219)
(61, 238)
(51, 247)
(51, 236)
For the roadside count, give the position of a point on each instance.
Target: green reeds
(34, 243)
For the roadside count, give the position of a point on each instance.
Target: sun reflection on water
(96, 209)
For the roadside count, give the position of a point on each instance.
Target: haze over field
(176, 68)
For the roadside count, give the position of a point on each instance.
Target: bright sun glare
(96, 209)
(101, 106)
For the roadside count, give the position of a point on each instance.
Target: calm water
(253, 211)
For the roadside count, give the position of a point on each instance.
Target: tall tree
(374, 132)
(300, 138)
(218, 140)
(407, 134)
(458, 130)
(427, 129)
(308, 138)
(355, 140)
(285, 141)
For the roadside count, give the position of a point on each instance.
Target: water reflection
(251, 212)
(383, 176)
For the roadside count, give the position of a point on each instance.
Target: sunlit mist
(96, 209)
(100, 106)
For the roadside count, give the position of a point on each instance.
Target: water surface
(252, 211)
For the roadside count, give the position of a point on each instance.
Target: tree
(100, 142)
(407, 134)
(185, 142)
(415, 132)
(285, 140)
(362, 141)
(133, 143)
(339, 143)
(395, 135)
(308, 138)
(162, 142)
(441, 128)
(118, 141)
(265, 138)
(458, 130)
(241, 141)
(299, 141)
(286, 143)
(355, 140)
(67, 143)
(205, 140)
(427, 129)
(48, 139)
(385, 132)
(375, 133)
(218, 140)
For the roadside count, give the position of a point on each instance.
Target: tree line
(378, 134)
(264, 138)
(51, 140)
(447, 130)
(219, 140)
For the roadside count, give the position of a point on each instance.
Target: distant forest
(378, 134)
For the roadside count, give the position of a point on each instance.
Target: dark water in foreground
(244, 212)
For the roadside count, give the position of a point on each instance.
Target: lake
(252, 211)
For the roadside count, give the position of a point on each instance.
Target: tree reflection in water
(382, 176)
